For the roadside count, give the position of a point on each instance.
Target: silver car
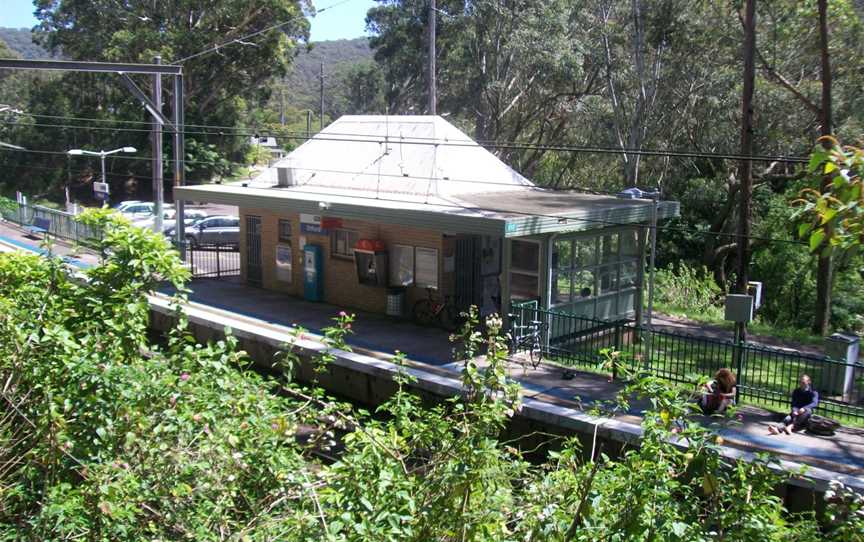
(214, 230)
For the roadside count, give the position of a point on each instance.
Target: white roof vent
(286, 177)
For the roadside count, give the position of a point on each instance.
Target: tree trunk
(744, 218)
(824, 270)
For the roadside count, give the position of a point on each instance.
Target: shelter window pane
(610, 248)
(584, 252)
(583, 284)
(561, 287)
(562, 254)
(629, 274)
(608, 279)
(629, 244)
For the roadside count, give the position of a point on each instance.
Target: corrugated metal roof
(418, 157)
(395, 170)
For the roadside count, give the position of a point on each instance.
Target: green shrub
(692, 291)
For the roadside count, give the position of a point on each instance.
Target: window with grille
(342, 243)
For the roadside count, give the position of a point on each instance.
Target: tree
(831, 213)
(220, 86)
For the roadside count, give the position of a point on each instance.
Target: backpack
(820, 425)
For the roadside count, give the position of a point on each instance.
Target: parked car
(192, 216)
(222, 229)
(140, 209)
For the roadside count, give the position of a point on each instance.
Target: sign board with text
(101, 188)
(311, 224)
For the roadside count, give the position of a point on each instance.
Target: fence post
(738, 354)
(218, 268)
(618, 335)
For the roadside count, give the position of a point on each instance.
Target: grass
(714, 317)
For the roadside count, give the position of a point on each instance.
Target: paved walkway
(429, 348)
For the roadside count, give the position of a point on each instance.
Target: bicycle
(435, 311)
(532, 341)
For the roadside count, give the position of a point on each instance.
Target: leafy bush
(107, 435)
(684, 289)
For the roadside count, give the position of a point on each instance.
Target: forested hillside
(20, 40)
(596, 95)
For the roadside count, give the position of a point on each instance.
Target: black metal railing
(215, 260)
(766, 376)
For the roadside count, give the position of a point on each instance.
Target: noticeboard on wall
(401, 265)
(426, 267)
(283, 263)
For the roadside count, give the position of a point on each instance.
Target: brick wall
(341, 286)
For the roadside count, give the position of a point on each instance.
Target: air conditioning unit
(286, 177)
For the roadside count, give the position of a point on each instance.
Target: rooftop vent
(286, 177)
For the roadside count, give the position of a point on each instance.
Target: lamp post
(101, 155)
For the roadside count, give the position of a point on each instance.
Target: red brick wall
(341, 286)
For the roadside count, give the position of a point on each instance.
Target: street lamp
(102, 155)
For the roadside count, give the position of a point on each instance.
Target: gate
(467, 267)
(253, 250)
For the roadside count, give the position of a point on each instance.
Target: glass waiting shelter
(594, 274)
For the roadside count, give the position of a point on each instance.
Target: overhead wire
(521, 213)
(375, 138)
(256, 33)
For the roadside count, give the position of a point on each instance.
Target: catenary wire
(556, 217)
(354, 138)
(256, 33)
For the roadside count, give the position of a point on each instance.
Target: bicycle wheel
(447, 318)
(424, 314)
(535, 354)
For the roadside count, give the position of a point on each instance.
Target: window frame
(334, 243)
(279, 231)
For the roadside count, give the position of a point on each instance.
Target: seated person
(804, 400)
(718, 393)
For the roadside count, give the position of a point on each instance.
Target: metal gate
(467, 291)
(253, 250)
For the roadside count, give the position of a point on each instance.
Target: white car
(134, 210)
(191, 216)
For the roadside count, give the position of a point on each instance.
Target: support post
(179, 156)
(158, 181)
(433, 100)
(746, 172)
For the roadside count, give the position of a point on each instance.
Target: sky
(344, 21)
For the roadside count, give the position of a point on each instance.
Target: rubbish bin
(396, 302)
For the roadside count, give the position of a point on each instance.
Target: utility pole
(282, 107)
(825, 268)
(321, 103)
(158, 184)
(433, 100)
(746, 151)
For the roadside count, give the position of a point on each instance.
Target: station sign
(311, 224)
(101, 188)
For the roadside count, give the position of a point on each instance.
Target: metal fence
(211, 260)
(61, 223)
(766, 376)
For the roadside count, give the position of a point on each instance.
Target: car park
(220, 229)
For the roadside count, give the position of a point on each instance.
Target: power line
(256, 33)
(520, 213)
(354, 138)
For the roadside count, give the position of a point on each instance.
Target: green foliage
(689, 290)
(110, 435)
(832, 208)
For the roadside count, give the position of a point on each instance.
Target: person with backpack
(718, 393)
(804, 400)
